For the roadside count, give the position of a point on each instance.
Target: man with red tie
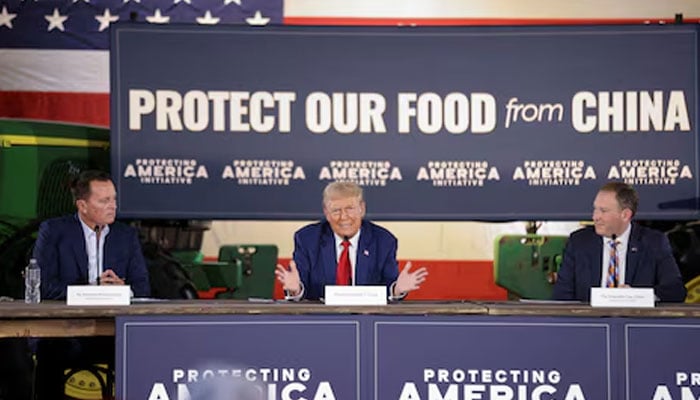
(345, 249)
(616, 252)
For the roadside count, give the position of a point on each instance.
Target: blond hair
(341, 189)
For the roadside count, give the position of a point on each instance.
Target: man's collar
(88, 230)
(353, 240)
(624, 238)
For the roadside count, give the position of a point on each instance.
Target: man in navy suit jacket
(62, 245)
(645, 254)
(372, 250)
(84, 248)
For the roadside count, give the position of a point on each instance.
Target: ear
(81, 205)
(627, 214)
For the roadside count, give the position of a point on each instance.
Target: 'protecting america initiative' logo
(166, 171)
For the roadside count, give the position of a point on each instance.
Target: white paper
(622, 297)
(355, 295)
(98, 295)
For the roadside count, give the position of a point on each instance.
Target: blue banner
(243, 357)
(435, 123)
(391, 357)
(662, 360)
(493, 359)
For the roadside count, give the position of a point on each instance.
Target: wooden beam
(57, 328)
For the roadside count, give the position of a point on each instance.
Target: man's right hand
(289, 278)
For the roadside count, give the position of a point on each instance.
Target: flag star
(208, 19)
(227, 2)
(6, 18)
(186, 1)
(106, 19)
(257, 19)
(158, 18)
(56, 20)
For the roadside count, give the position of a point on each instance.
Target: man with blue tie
(345, 249)
(617, 252)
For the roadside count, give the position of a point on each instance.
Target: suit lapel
(633, 251)
(328, 258)
(597, 262)
(107, 257)
(79, 250)
(362, 257)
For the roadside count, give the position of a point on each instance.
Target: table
(54, 318)
(616, 352)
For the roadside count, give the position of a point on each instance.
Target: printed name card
(355, 295)
(622, 297)
(102, 295)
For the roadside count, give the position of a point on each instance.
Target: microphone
(97, 230)
(614, 244)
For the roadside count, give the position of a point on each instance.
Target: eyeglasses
(350, 211)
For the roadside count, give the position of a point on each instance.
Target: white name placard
(355, 295)
(622, 297)
(98, 295)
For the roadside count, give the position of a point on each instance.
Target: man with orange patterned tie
(345, 249)
(616, 252)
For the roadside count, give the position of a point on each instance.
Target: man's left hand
(408, 280)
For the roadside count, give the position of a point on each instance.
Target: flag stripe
(54, 70)
(79, 108)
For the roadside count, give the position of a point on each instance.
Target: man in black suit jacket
(88, 247)
(645, 257)
(371, 250)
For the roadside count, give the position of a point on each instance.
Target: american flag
(54, 55)
(54, 61)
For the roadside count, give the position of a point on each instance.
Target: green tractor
(37, 163)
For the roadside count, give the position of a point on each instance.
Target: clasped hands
(108, 277)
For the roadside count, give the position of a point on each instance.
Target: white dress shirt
(95, 254)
